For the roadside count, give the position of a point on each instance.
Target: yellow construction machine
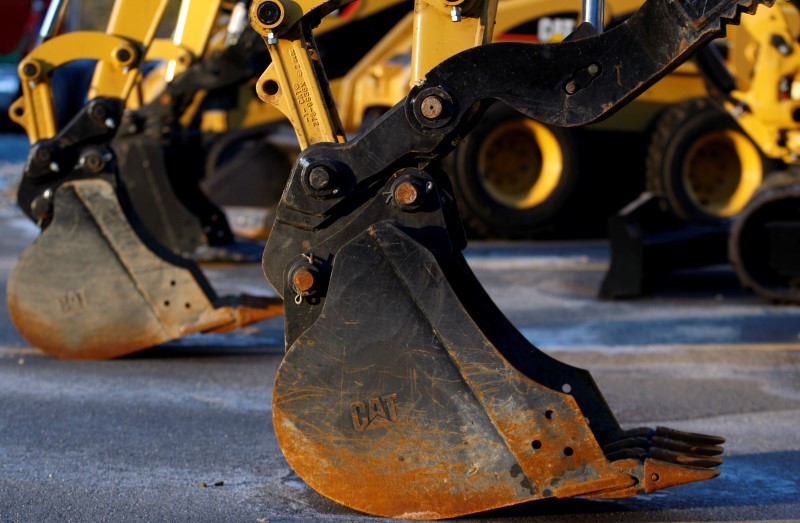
(404, 392)
(723, 170)
(106, 277)
(516, 177)
(143, 134)
(761, 89)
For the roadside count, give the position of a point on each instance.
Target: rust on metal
(432, 107)
(303, 280)
(427, 419)
(114, 295)
(406, 193)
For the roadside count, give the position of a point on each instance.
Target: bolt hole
(536, 444)
(271, 87)
(172, 283)
(19, 111)
(548, 414)
(402, 458)
(566, 388)
(796, 115)
(187, 305)
(166, 303)
(568, 451)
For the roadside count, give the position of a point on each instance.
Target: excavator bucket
(404, 391)
(105, 278)
(431, 405)
(91, 287)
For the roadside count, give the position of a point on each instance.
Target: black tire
(514, 177)
(763, 240)
(246, 177)
(700, 162)
(250, 173)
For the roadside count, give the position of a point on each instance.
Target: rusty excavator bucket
(404, 391)
(90, 287)
(105, 278)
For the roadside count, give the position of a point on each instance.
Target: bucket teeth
(660, 474)
(627, 443)
(696, 446)
(687, 448)
(689, 437)
(665, 457)
(669, 457)
(684, 459)
(631, 453)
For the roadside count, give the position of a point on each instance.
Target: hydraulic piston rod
(592, 13)
(52, 20)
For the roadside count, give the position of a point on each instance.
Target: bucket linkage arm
(404, 391)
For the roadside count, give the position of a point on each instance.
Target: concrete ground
(183, 432)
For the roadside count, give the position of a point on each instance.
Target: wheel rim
(520, 163)
(721, 172)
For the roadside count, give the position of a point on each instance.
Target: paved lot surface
(135, 439)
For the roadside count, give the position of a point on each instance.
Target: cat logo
(377, 412)
(554, 29)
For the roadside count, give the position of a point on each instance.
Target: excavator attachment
(430, 405)
(91, 287)
(105, 278)
(404, 391)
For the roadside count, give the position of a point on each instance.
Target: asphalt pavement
(183, 432)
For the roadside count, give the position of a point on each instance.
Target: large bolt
(303, 281)
(123, 55)
(406, 193)
(30, 70)
(98, 112)
(269, 13)
(43, 155)
(431, 107)
(92, 161)
(319, 178)
(42, 206)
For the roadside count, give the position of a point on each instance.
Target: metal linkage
(399, 368)
(159, 164)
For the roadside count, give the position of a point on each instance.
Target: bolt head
(406, 193)
(44, 155)
(571, 88)
(432, 107)
(319, 178)
(29, 70)
(123, 55)
(593, 69)
(98, 112)
(269, 13)
(93, 162)
(303, 281)
(41, 207)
